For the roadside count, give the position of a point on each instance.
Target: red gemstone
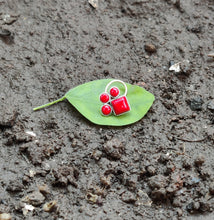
(104, 97)
(106, 109)
(114, 91)
(120, 105)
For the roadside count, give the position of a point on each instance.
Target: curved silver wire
(117, 80)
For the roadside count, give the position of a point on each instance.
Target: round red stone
(106, 109)
(114, 91)
(104, 97)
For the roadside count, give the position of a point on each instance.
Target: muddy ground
(158, 168)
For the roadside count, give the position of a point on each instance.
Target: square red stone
(120, 105)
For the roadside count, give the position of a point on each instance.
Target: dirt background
(158, 168)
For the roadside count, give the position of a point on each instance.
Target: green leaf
(85, 98)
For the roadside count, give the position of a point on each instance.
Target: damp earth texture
(54, 163)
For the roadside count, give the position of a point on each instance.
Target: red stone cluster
(112, 102)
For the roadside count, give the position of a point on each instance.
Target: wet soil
(158, 168)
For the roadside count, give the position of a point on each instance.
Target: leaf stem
(50, 103)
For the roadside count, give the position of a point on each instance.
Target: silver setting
(108, 95)
(117, 80)
(110, 107)
(111, 98)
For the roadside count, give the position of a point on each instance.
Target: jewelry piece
(113, 102)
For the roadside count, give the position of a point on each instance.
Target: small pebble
(179, 212)
(46, 166)
(5, 216)
(9, 19)
(44, 189)
(190, 207)
(114, 148)
(92, 198)
(27, 208)
(175, 67)
(196, 104)
(199, 160)
(170, 168)
(186, 164)
(186, 68)
(131, 182)
(65, 175)
(50, 206)
(32, 173)
(15, 186)
(196, 205)
(128, 197)
(35, 198)
(93, 3)
(164, 158)
(97, 155)
(158, 194)
(143, 198)
(150, 48)
(151, 170)
(183, 68)
(204, 205)
(31, 133)
(210, 105)
(158, 181)
(6, 36)
(106, 180)
(177, 202)
(7, 117)
(4, 33)
(211, 55)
